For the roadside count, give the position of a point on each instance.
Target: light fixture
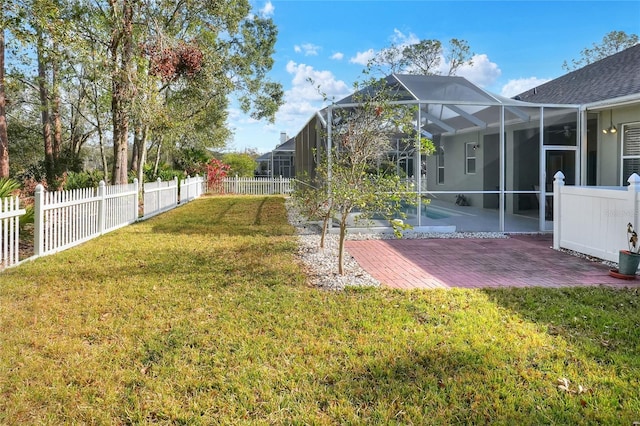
(611, 129)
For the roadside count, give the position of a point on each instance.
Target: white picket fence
(160, 196)
(256, 185)
(593, 219)
(10, 213)
(63, 219)
(192, 188)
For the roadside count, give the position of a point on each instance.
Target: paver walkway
(518, 261)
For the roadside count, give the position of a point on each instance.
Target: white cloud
(400, 39)
(308, 49)
(514, 87)
(482, 71)
(363, 58)
(304, 99)
(338, 56)
(301, 88)
(268, 9)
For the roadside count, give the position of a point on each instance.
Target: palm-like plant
(8, 186)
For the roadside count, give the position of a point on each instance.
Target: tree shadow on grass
(232, 216)
(602, 322)
(443, 385)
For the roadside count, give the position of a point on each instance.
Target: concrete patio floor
(517, 261)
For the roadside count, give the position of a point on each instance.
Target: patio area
(517, 261)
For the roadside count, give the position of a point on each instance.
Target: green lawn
(203, 316)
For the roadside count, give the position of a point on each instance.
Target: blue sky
(517, 45)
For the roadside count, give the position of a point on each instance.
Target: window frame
(624, 134)
(440, 165)
(470, 147)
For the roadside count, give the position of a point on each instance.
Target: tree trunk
(49, 161)
(157, 162)
(121, 50)
(343, 233)
(135, 154)
(325, 223)
(103, 154)
(55, 111)
(4, 138)
(143, 154)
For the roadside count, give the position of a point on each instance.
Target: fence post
(38, 216)
(632, 191)
(158, 194)
(136, 200)
(558, 183)
(175, 191)
(102, 214)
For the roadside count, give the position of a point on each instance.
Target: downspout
(542, 180)
(418, 166)
(329, 135)
(582, 144)
(502, 171)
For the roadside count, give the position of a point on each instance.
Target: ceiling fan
(566, 131)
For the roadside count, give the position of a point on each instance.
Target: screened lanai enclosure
(494, 161)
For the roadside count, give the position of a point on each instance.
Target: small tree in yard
(350, 181)
(311, 198)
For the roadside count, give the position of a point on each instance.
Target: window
(630, 150)
(470, 158)
(440, 165)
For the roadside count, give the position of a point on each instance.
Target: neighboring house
(500, 153)
(280, 161)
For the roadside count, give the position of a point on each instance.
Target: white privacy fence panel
(64, 219)
(10, 213)
(191, 188)
(256, 185)
(160, 196)
(593, 220)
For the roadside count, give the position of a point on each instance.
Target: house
(608, 92)
(500, 154)
(280, 161)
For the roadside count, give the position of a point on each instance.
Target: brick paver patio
(518, 261)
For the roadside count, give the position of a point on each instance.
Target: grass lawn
(203, 316)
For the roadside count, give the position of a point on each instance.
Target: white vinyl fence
(64, 219)
(10, 213)
(256, 185)
(593, 220)
(192, 188)
(160, 196)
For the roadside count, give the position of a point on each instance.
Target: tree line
(82, 78)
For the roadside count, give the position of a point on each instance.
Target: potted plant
(628, 260)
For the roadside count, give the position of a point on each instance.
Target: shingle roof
(612, 77)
